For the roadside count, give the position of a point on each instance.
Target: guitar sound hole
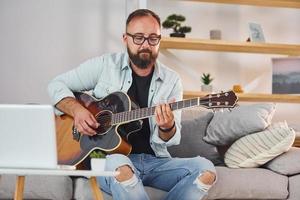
(104, 119)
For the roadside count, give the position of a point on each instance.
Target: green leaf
(168, 24)
(97, 154)
(206, 79)
(175, 17)
(174, 21)
(185, 29)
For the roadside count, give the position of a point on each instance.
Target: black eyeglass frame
(144, 39)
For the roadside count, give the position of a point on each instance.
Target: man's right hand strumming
(84, 120)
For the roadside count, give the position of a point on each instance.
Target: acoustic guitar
(118, 118)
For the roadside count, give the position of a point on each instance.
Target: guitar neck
(142, 113)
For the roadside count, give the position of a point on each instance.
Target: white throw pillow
(258, 148)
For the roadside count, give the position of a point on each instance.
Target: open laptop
(27, 137)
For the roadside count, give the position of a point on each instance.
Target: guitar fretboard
(141, 113)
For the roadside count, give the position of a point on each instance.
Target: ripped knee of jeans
(205, 180)
(130, 182)
(126, 176)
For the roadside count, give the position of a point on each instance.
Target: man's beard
(140, 61)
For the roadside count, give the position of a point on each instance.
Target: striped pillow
(258, 148)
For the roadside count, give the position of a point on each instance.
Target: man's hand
(84, 120)
(165, 121)
(164, 116)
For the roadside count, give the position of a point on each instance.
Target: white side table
(21, 173)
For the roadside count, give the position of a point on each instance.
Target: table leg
(96, 189)
(19, 188)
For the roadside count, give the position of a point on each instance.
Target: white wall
(40, 39)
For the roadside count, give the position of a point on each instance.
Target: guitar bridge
(76, 134)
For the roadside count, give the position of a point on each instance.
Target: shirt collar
(158, 72)
(125, 63)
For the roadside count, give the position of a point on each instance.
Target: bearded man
(148, 83)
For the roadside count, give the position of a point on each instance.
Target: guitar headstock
(219, 100)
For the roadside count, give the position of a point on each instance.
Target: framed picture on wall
(256, 33)
(286, 75)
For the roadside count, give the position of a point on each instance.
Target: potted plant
(98, 160)
(206, 80)
(97, 154)
(174, 21)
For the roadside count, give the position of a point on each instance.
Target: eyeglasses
(139, 39)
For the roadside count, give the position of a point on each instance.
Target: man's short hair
(142, 13)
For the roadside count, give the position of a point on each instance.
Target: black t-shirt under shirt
(138, 92)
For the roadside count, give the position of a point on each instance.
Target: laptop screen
(27, 136)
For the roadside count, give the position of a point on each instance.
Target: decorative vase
(215, 34)
(98, 164)
(237, 89)
(206, 88)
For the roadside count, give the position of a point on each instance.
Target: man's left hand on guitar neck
(165, 121)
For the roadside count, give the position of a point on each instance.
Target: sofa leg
(95, 189)
(19, 188)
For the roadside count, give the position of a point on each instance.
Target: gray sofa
(248, 183)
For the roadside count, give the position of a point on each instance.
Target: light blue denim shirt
(111, 72)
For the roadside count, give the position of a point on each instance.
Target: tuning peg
(214, 110)
(229, 109)
(221, 110)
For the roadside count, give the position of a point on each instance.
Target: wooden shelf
(252, 97)
(226, 46)
(267, 3)
(297, 142)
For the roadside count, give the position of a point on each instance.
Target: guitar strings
(201, 99)
(125, 114)
(147, 109)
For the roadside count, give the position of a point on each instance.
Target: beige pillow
(258, 148)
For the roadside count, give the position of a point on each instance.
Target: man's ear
(124, 38)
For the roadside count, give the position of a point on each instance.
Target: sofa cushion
(258, 148)
(231, 184)
(196, 112)
(38, 187)
(250, 183)
(294, 185)
(228, 126)
(194, 123)
(287, 163)
(83, 191)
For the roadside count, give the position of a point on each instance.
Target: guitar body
(73, 147)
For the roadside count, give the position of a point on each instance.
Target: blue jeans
(177, 176)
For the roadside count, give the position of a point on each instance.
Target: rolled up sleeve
(176, 93)
(82, 78)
